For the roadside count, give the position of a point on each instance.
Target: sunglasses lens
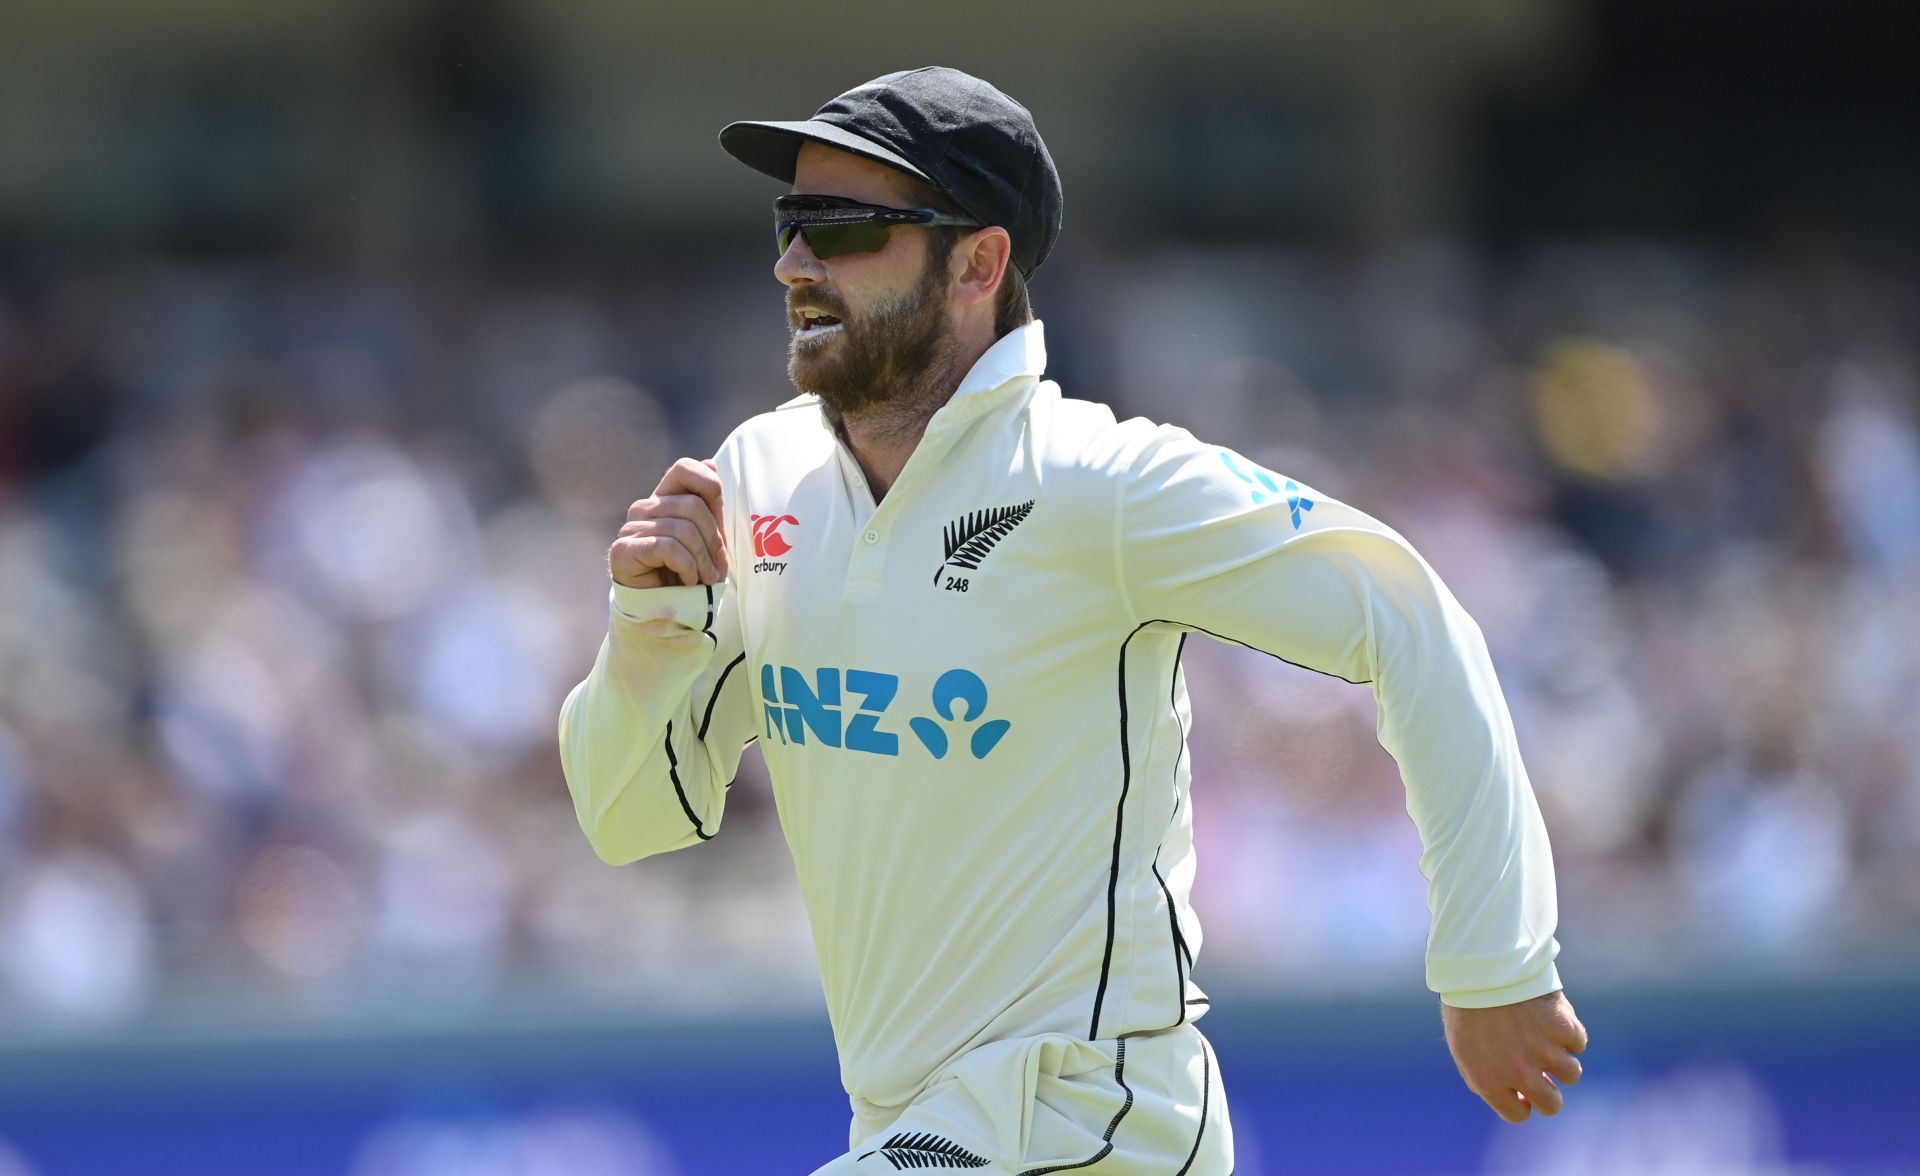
(831, 240)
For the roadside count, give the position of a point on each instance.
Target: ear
(979, 264)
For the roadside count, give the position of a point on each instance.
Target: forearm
(1486, 856)
(642, 781)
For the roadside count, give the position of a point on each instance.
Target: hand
(676, 537)
(1512, 1055)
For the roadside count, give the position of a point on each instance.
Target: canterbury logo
(767, 539)
(926, 1150)
(969, 538)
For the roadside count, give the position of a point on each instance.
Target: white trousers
(1149, 1105)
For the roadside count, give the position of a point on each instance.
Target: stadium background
(335, 337)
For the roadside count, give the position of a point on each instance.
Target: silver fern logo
(972, 537)
(925, 1150)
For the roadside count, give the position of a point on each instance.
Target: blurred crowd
(296, 567)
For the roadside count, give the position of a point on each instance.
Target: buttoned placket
(1015, 371)
(866, 564)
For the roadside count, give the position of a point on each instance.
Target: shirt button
(872, 537)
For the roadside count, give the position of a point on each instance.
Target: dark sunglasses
(834, 225)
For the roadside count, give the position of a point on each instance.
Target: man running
(957, 639)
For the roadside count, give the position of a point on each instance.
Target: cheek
(865, 280)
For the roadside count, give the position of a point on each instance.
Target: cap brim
(773, 147)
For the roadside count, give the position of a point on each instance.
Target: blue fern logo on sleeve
(1297, 502)
(1265, 487)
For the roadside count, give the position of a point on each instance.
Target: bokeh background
(336, 335)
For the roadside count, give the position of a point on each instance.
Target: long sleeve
(650, 741)
(1208, 540)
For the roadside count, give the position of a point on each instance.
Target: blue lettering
(819, 709)
(770, 702)
(876, 693)
(794, 706)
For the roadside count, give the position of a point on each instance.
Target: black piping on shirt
(1119, 824)
(717, 687)
(673, 772)
(1206, 1089)
(1119, 1075)
(1180, 948)
(1120, 809)
(1269, 653)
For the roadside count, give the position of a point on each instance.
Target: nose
(798, 264)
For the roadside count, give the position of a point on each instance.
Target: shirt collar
(1017, 359)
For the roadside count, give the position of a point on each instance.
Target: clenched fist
(676, 537)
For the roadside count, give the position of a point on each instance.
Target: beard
(889, 354)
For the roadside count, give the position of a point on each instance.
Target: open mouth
(816, 324)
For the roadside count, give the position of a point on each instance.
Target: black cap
(949, 128)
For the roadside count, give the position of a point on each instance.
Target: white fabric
(1034, 879)
(1151, 1104)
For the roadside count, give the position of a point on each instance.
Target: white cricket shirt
(970, 702)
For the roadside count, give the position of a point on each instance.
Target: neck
(882, 436)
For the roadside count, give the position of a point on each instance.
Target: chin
(810, 374)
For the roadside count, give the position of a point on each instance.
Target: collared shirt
(970, 702)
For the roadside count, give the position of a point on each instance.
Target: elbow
(618, 847)
(612, 840)
(619, 834)
(612, 850)
(614, 844)
(620, 810)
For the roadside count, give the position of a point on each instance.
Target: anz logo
(843, 708)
